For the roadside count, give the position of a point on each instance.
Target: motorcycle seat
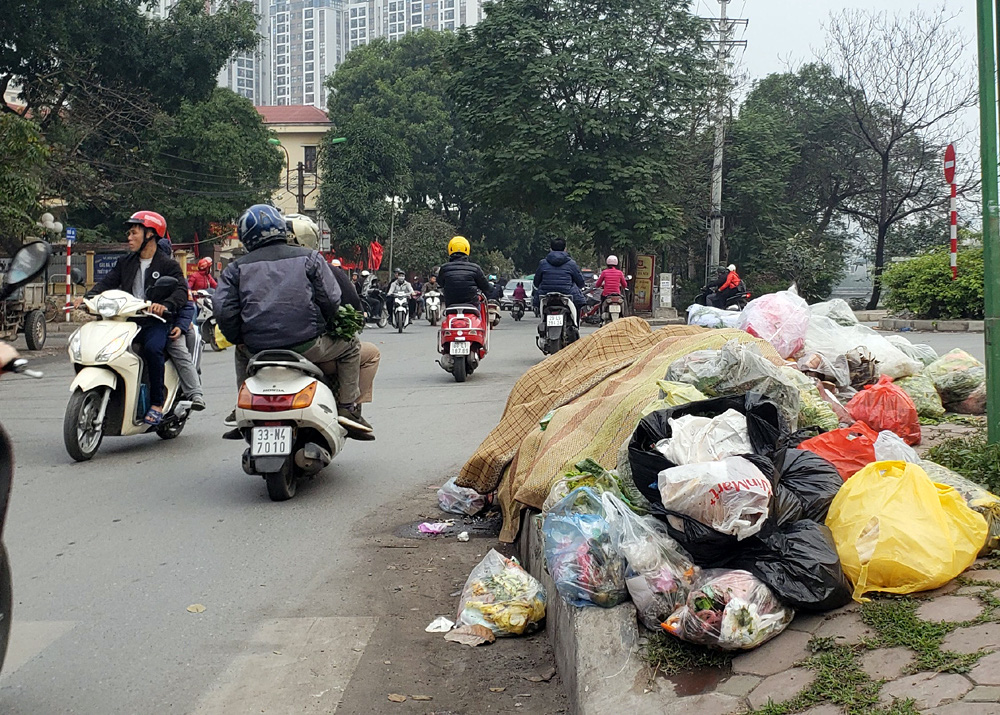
(283, 358)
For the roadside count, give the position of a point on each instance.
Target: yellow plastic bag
(673, 394)
(220, 339)
(899, 532)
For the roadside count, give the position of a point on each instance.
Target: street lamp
(300, 193)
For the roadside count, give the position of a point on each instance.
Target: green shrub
(923, 285)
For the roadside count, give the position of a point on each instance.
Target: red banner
(375, 253)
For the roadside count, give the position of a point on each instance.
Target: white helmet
(612, 260)
(335, 262)
(731, 266)
(366, 273)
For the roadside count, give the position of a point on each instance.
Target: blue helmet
(261, 224)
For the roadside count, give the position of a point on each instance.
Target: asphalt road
(972, 343)
(109, 554)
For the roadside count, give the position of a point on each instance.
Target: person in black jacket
(558, 273)
(461, 280)
(136, 272)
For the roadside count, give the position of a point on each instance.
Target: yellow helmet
(458, 244)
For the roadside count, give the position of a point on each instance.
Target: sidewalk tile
(987, 670)
(781, 687)
(929, 690)
(983, 694)
(738, 685)
(950, 608)
(776, 655)
(886, 663)
(972, 638)
(848, 627)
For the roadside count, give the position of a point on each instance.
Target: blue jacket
(276, 296)
(558, 273)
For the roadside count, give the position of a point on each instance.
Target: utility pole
(300, 194)
(724, 45)
(991, 230)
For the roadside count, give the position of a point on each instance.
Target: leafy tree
(923, 285)
(24, 155)
(579, 110)
(422, 244)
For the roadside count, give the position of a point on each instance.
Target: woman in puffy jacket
(202, 279)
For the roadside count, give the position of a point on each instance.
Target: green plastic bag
(673, 394)
(921, 390)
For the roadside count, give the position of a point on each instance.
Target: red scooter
(464, 339)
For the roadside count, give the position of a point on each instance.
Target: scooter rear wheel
(281, 485)
(171, 430)
(208, 335)
(460, 369)
(80, 436)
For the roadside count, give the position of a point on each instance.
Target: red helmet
(204, 264)
(149, 219)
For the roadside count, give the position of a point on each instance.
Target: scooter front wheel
(208, 335)
(281, 485)
(80, 435)
(383, 319)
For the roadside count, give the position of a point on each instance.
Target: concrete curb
(597, 652)
(944, 326)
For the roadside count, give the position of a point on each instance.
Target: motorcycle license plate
(461, 348)
(554, 321)
(270, 441)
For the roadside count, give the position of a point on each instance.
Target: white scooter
(400, 311)
(288, 415)
(110, 393)
(432, 306)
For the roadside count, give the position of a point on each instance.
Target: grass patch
(972, 457)
(670, 656)
(895, 620)
(953, 418)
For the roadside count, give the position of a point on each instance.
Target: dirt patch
(414, 579)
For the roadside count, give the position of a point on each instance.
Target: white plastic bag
(461, 500)
(890, 447)
(779, 318)
(709, 316)
(731, 496)
(836, 310)
(827, 338)
(917, 351)
(705, 439)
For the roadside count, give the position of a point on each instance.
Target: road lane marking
(299, 665)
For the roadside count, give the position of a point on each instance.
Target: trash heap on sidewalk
(724, 478)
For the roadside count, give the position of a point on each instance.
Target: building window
(309, 153)
(309, 24)
(309, 56)
(309, 45)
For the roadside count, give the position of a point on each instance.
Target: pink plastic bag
(780, 318)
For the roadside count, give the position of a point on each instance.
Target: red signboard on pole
(949, 164)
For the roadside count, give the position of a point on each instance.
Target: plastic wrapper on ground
(738, 370)
(976, 496)
(956, 375)
(837, 310)
(830, 339)
(974, 404)
(886, 406)
(898, 532)
(920, 352)
(660, 573)
(587, 473)
(779, 318)
(673, 394)
(459, 500)
(579, 552)
(502, 596)
(705, 439)
(731, 495)
(813, 409)
(709, 316)
(925, 397)
(729, 610)
(849, 449)
(834, 370)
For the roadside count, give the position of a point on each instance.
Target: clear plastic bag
(460, 500)
(729, 610)
(709, 316)
(830, 339)
(837, 310)
(833, 370)
(813, 409)
(673, 394)
(925, 397)
(660, 573)
(974, 404)
(890, 447)
(884, 406)
(738, 370)
(705, 439)
(502, 596)
(779, 318)
(579, 554)
(956, 375)
(920, 352)
(587, 473)
(732, 496)
(978, 499)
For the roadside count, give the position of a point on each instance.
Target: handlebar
(20, 367)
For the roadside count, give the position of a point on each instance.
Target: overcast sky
(783, 31)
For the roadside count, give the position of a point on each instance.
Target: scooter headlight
(114, 348)
(74, 346)
(109, 307)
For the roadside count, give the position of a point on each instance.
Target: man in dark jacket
(135, 273)
(461, 280)
(281, 296)
(558, 273)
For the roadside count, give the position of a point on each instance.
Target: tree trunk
(883, 229)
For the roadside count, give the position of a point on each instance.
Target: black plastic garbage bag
(812, 480)
(764, 426)
(708, 548)
(799, 563)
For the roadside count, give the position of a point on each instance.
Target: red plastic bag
(849, 449)
(885, 406)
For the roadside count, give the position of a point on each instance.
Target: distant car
(507, 302)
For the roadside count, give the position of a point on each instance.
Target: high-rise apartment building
(248, 73)
(306, 39)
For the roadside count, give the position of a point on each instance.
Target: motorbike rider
(519, 292)
(281, 296)
(461, 279)
(558, 273)
(431, 284)
(728, 287)
(612, 280)
(134, 273)
(202, 278)
(181, 344)
(401, 286)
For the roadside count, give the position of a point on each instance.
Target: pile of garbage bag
(709, 316)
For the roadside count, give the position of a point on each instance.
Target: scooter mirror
(628, 278)
(26, 264)
(162, 288)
